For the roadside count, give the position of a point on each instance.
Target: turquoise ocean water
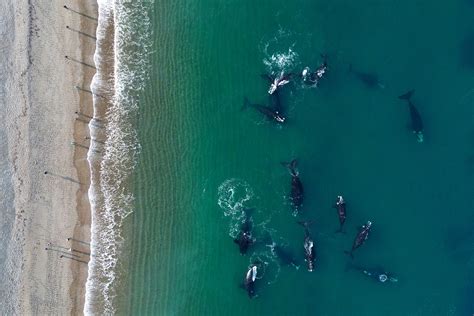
(203, 160)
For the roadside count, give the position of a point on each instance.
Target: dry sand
(41, 126)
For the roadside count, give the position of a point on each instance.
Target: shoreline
(47, 150)
(72, 148)
(82, 229)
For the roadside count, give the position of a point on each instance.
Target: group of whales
(275, 112)
(245, 239)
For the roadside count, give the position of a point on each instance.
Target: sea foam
(122, 73)
(233, 197)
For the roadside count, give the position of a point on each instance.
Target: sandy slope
(41, 124)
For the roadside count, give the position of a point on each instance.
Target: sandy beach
(47, 149)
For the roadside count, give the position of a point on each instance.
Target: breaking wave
(121, 59)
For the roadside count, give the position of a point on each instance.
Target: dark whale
(341, 211)
(360, 238)
(297, 192)
(322, 69)
(249, 281)
(244, 239)
(269, 112)
(265, 110)
(416, 122)
(284, 255)
(275, 101)
(369, 79)
(282, 252)
(309, 249)
(313, 78)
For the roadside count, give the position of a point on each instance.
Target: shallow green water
(348, 139)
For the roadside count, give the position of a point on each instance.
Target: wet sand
(47, 148)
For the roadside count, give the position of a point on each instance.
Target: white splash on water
(268, 266)
(279, 52)
(281, 61)
(233, 197)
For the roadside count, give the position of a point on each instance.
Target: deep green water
(348, 139)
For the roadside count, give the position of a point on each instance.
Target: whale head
(272, 88)
(383, 277)
(305, 72)
(254, 273)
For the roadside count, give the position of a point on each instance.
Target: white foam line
(111, 200)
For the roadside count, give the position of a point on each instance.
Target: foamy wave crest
(233, 197)
(122, 70)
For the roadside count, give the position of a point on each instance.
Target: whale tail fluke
(407, 96)
(291, 167)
